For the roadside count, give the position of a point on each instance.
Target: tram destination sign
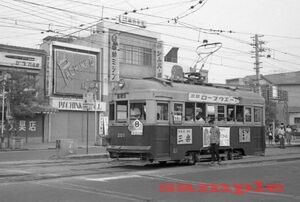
(211, 98)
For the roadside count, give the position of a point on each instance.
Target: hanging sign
(114, 57)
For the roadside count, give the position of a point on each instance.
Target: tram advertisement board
(224, 136)
(244, 134)
(184, 136)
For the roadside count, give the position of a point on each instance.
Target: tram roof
(168, 88)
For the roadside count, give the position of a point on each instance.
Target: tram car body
(159, 120)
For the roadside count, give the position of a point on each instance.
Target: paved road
(135, 183)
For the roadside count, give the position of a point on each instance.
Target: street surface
(99, 180)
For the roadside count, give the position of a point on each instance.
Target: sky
(226, 24)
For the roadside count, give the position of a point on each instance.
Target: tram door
(162, 130)
(176, 121)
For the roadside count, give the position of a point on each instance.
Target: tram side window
(230, 113)
(248, 115)
(210, 112)
(189, 111)
(138, 111)
(240, 113)
(162, 111)
(111, 112)
(257, 114)
(221, 113)
(200, 112)
(122, 111)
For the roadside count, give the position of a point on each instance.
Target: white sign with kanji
(184, 136)
(137, 128)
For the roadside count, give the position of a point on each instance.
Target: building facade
(95, 64)
(32, 62)
(281, 91)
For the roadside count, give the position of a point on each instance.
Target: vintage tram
(159, 120)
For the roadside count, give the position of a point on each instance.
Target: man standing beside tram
(214, 141)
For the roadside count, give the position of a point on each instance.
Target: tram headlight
(121, 84)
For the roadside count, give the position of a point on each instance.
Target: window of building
(230, 113)
(138, 111)
(162, 111)
(257, 114)
(122, 111)
(189, 111)
(130, 54)
(297, 120)
(112, 111)
(248, 115)
(240, 113)
(221, 113)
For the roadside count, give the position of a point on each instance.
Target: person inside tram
(199, 116)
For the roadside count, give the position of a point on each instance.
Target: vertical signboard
(159, 59)
(114, 57)
(71, 68)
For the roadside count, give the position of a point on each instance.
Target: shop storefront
(73, 71)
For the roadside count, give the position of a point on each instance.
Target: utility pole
(257, 50)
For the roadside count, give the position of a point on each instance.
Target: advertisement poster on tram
(224, 136)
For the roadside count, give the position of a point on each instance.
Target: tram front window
(138, 111)
(162, 111)
(122, 111)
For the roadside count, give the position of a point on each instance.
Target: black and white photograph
(149, 101)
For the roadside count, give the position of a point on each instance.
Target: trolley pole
(87, 130)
